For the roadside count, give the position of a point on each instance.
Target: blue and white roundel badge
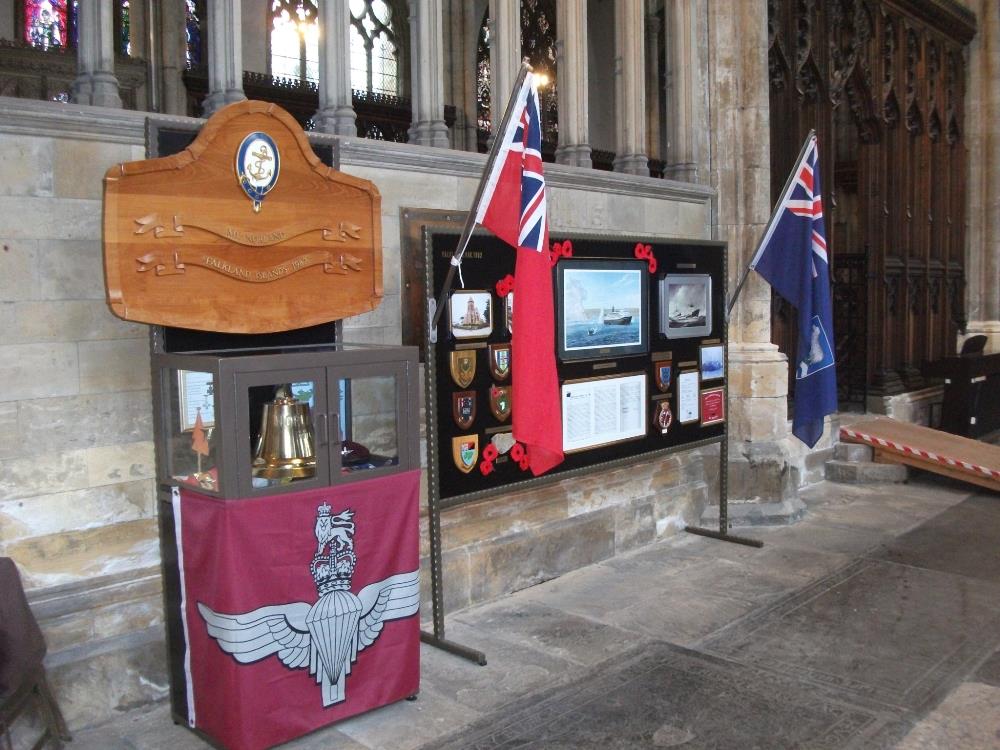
(257, 165)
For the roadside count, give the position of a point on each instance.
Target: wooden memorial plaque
(245, 231)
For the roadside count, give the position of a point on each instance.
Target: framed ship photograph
(685, 305)
(601, 308)
(471, 313)
(712, 361)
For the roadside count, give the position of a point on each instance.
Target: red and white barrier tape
(872, 440)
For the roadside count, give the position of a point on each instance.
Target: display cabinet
(239, 424)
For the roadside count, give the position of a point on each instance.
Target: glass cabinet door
(192, 442)
(282, 430)
(368, 419)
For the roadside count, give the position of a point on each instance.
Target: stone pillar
(225, 55)
(630, 82)
(652, 86)
(427, 74)
(505, 55)
(686, 125)
(982, 139)
(171, 27)
(336, 113)
(95, 80)
(763, 466)
(572, 83)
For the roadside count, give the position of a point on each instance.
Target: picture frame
(712, 361)
(601, 308)
(195, 393)
(470, 314)
(688, 402)
(685, 305)
(712, 403)
(509, 310)
(602, 411)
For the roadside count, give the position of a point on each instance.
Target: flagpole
(746, 271)
(470, 220)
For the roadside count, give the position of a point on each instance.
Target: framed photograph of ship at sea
(685, 305)
(601, 308)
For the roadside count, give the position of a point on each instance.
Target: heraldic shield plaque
(244, 231)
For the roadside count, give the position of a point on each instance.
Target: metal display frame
(437, 636)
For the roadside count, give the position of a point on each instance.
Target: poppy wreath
(560, 250)
(505, 286)
(645, 252)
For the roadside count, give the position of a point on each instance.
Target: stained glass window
(294, 40)
(45, 23)
(192, 29)
(374, 52)
(124, 27)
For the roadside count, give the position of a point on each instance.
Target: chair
(22, 675)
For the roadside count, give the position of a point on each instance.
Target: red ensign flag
(513, 208)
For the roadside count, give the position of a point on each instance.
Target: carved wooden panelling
(881, 81)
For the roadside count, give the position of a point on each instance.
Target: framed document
(686, 305)
(601, 308)
(687, 397)
(601, 411)
(713, 406)
(712, 361)
(195, 393)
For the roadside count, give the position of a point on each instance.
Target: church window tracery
(374, 48)
(294, 42)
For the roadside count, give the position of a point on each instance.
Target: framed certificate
(195, 393)
(687, 397)
(601, 411)
(713, 406)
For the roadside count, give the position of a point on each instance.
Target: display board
(640, 355)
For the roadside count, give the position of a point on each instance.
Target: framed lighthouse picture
(601, 308)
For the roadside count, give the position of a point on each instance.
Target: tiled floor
(873, 622)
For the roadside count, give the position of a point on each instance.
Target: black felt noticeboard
(677, 340)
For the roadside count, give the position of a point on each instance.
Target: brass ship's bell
(285, 447)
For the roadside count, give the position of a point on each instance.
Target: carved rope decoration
(344, 231)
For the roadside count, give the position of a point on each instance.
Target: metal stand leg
(723, 532)
(437, 638)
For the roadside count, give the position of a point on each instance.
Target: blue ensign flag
(792, 258)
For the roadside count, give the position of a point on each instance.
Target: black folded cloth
(22, 647)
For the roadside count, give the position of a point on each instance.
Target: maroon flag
(513, 208)
(298, 609)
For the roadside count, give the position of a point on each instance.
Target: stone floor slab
(899, 635)
(968, 719)
(514, 666)
(549, 631)
(661, 695)
(964, 540)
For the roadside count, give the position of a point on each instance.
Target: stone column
(95, 80)
(652, 86)
(630, 82)
(225, 55)
(572, 83)
(505, 55)
(685, 125)
(763, 461)
(427, 74)
(982, 138)
(171, 25)
(336, 113)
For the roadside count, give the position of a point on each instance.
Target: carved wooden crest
(245, 231)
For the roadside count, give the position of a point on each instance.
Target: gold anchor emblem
(257, 170)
